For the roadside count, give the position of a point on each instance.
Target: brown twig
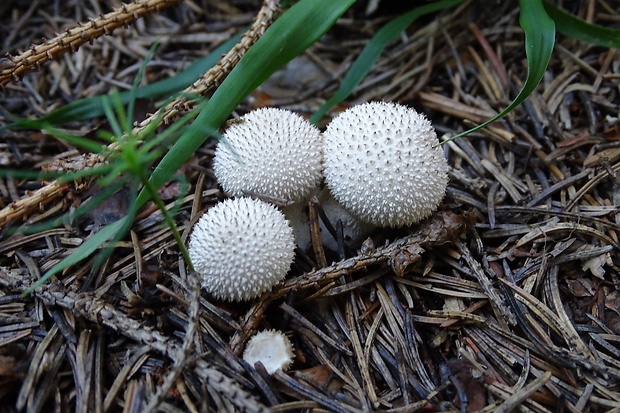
(100, 312)
(14, 67)
(440, 229)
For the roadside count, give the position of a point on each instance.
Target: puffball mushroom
(383, 163)
(297, 217)
(271, 152)
(272, 348)
(241, 248)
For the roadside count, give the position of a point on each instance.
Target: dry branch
(14, 67)
(440, 229)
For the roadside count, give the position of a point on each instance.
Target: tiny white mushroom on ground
(271, 152)
(353, 229)
(241, 248)
(272, 348)
(383, 163)
(297, 217)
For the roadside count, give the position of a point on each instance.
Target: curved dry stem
(14, 67)
(441, 228)
(36, 200)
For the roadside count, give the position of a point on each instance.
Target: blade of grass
(118, 235)
(133, 92)
(574, 27)
(287, 37)
(113, 119)
(83, 251)
(77, 141)
(152, 194)
(367, 58)
(539, 41)
(91, 107)
(69, 217)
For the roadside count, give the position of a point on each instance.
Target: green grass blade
(168, 219)
(77, 141)
(287, 37)
(83, 251)
(124, 225)
(574, 27)
(133, 92)
(111, 116)
(67, 218)
(91, 107)
(539, 41)
(368, 57)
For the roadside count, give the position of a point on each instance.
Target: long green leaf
(574, 27)
(539, 41)
(287, 37)
(91, 107)
(83, 251)
(367, 58)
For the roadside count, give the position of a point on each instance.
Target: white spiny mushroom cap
(272, 348)
(383, 163)
(272, 152)
(241, 248)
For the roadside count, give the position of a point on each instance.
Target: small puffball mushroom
(384, 164)
(241, 248)
(297, 217)
(272, 348)
(353, 229)
(271, 152)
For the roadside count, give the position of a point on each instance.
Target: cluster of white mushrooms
(382, 165)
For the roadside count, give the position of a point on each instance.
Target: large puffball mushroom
(383, 163)
(241, 248)
(271, 152)
(272, 348)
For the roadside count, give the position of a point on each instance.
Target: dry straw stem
(36, 200)
(211, 79)
(14, 67)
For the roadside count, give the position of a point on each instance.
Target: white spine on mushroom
(272, 348)
(241, 248)
(383, 163)
(272, 152)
